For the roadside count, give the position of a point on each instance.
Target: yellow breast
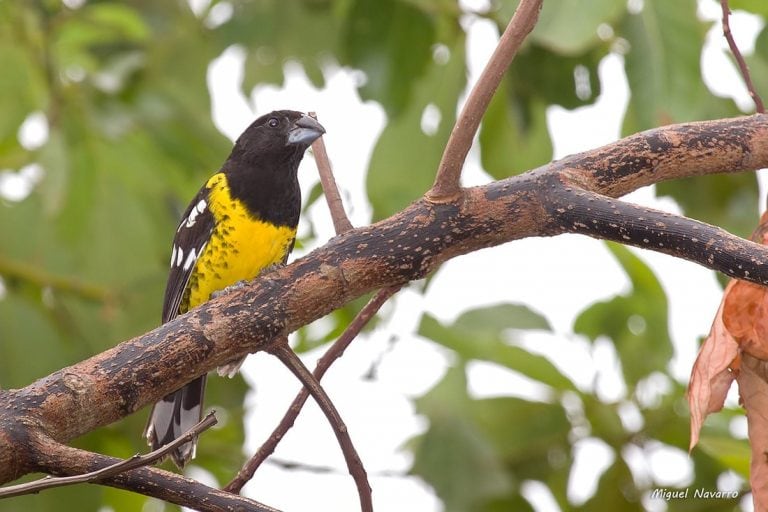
(240, 246)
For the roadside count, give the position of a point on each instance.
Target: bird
(242, 221)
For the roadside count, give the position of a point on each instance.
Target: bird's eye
(273, 122)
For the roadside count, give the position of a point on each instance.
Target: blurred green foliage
(122, 87)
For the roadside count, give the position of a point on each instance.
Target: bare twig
(340, 220)
(446, 187)
(134, 462)
(355, 465)
(739, 58)
(325, 362)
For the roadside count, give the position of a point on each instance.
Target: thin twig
(354, 464)
(325, 362)
(739, 58)
(446, 187)
(341, 222)
(134, 462)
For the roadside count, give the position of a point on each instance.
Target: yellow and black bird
(242, 221)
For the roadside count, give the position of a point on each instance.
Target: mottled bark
(573, 195)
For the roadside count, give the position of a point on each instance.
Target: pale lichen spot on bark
(74, 382)
(214, 331)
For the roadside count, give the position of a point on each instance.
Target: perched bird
(242, 221)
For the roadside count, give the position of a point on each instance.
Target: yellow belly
(240, 247)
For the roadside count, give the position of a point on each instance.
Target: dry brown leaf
(745, 315)
(740, 325)
(753, 389)
(737, 347)
(713, 372)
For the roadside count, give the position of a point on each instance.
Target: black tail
(173, 416)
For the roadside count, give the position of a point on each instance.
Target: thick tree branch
(446, 186)
(587, 213)
(122, 466)
(61, 460)
(405, 247)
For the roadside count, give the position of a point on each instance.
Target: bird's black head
(262, 168)
(280, 132)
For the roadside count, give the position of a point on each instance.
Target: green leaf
(467, 473)
(616, 491)
(99, 32)
(54, 158)
(482, 333)
(732, 453)
(663, 69)
(569, 27)
(453, 456)
(668, 420)
(538, 72)
(392, 43)
(21, 89)
(753, 6)
(514, 136)
(529, 448)
(118, 20)
(405, 158)
(31, 346)
(74, 497)
(448, 394)
(604, 421)
(636, 322)
(274, 32)
(493, 319)
(515, 502)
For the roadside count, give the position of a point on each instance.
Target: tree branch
(407, 246)
(122, 466)
(58, 459)
(447, 186)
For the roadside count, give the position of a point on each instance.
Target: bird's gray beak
(305, 131)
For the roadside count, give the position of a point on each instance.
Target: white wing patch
(173, 255)
(179, 256)
(192, 217)
(191, 258)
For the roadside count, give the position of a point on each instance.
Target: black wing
(192, 235)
